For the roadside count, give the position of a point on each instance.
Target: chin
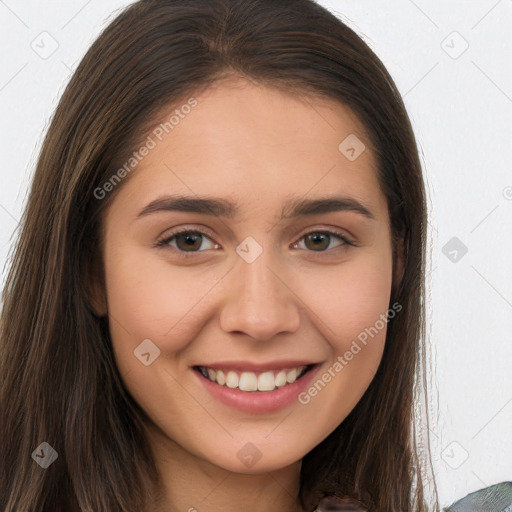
(256, 458)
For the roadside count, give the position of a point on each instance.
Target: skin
(258, 147)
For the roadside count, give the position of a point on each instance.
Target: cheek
(148, 299)
(350, 298)
(362, 298)
(351, 309)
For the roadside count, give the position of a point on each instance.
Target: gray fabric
(496, 498)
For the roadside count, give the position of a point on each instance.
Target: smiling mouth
(254, 381)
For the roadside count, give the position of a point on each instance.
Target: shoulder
(494, 498)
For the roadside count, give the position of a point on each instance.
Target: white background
(460, 103)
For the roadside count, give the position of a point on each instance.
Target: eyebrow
(224, 208)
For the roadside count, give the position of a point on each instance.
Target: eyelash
(164, 241)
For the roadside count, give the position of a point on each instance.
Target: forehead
(257, 144)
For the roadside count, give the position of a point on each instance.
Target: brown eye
(186, 241)
(319, 241)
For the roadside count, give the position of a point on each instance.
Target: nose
(260, 301)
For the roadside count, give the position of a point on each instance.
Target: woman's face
(292, 268)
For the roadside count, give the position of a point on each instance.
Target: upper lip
(257, 367)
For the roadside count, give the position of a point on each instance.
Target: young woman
(216, 299)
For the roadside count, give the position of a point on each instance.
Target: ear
(95, 286)
(399, 257)
(97, 301)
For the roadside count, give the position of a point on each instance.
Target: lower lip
(259, 402)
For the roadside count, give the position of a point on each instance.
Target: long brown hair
(59, 380)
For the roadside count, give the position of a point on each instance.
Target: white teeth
(266, 382)
(291, 376)
(249, 381)
(220, 378)
(232, 380)
(280, 379)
